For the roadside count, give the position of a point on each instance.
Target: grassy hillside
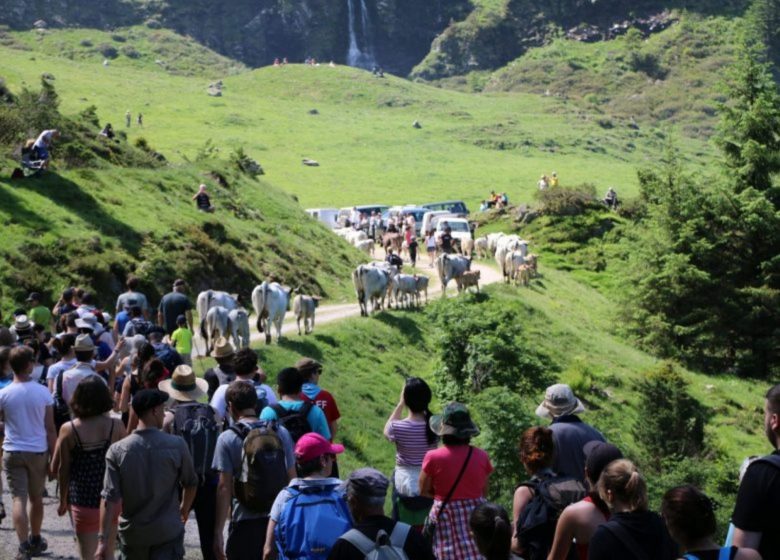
(361, 134)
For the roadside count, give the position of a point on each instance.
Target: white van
(429, 219)
(460, 229)
(328, 216)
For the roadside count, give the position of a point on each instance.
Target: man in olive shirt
(145, 471)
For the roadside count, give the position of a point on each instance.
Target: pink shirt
(443, 465)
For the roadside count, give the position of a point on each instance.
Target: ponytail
(492, 531)
(626, 483)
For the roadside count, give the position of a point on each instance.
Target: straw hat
(183, 385)
(223, 348)
(84, 343)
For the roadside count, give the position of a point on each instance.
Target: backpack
(197, 425)
(296, 421)
(262, 398)
(263, 466)
(61, 408)
(311, 522)
(141, 325)
(384, 547)
(536, 525)
(168, 356)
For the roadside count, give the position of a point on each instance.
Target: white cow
(355, 236)
(492, 239)
(467, 247)
(512, 263)
(404, 288)
(270, 301)
(451, 267)
(481, 246)
(303, 308)
(367, 246)
(215, 325)
(238, 321)
(371, 284)
(212, 298)
(504, 246)
(422, 286)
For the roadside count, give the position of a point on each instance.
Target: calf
(481, 246)
(367, 246)
(422, 286)
(303, 308)
(404, 289)
(469, 279)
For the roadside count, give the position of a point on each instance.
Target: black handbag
(429, 527)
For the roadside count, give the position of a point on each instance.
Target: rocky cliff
(396, 33)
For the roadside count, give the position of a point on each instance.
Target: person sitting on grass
(43, 144)
(202, 200)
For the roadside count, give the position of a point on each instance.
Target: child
(182, 340)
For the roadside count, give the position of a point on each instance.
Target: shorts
(407, 480)
(26, 473)
(246, 539)
(186, 359)
(171, 550)
(86, 520)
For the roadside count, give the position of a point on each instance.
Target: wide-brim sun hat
(184, 385)
(223, 348)
(454, 420)
(559, 400)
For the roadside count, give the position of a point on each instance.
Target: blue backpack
(311, 522)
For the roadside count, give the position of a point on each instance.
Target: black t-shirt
(415, 546)
(757, 508)
(712, 554)
(446, 242)
(647, 529)
(171, 306)
(203, 201)
(220, 375)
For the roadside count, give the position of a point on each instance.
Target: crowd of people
(111, 407)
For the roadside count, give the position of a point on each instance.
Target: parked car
(452, 206)
(364, 209)
(416, 211)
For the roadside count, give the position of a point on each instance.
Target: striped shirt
(411, 442)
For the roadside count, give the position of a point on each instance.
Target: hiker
(6, 378)
(456, 477)
(311, 370)
(293, 526)
(196, 423)
(43, 144)
(137, 323)
(690, 518)
(22, 327)
(393, 259)
(27, 412)
(413, 438)
(412, 247)
(611, 199)
(534, 523)
(80, 461)
(107, 132)
(172, 305)
(224, 372)
(128, 118)
(88, 324)
(246, 370)
(257, 483)
(202, 200)
(84, 367)
(632, 532)
(755, 516)
(579, 521)
(569, 432)
(554, 180)
(543, 184)
(164, 351)
(445, 240)
(430, 246)
(489, 523)
(140, 119)
(373, 531)
(38, 314)
(292, 412)
(182, 340)
(146, 471)
(135, 381)
(64, 305)
(132, 297)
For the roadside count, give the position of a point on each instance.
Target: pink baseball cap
(313, 445)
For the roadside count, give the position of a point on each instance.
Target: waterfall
(361, 52)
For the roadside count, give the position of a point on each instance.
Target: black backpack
(141, 325)
(197, 425)
(61, 408)
(536, 525)
(168, 356)
(295, 421)
(263, 466)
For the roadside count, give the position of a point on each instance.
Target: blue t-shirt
(121, 320)
(316, 417)
(227, 459)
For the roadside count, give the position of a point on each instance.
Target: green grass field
(362, 135)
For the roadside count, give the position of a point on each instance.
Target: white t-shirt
(24, 408)
(219, 403)
(44, 139)
(72, 377)
(55, 369)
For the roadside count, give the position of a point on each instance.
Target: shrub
(118, 38)
(568, 201)
(130, 52)
(108, 51)
(86, 43)
(670, 421)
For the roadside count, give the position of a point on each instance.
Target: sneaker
(37, 548)
(24, 551)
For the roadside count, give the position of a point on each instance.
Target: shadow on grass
(405, 325)
(16, 209)
(326, 339)
(69, 196)
(301, 346)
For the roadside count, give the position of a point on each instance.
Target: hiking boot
(24, 551)
(37, 547)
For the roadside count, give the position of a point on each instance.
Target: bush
(118, 38)
(86, 43)
(108, 51)
(670, 421)
(130, 52)
(568, 201)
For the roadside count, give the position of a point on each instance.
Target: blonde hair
(626, 483)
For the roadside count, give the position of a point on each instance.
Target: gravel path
(58, 531)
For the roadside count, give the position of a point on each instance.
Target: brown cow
(392, 241)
